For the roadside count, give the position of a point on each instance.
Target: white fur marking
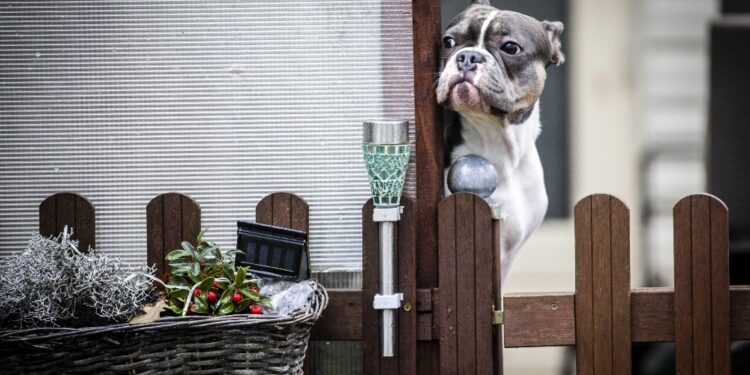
(485, 26)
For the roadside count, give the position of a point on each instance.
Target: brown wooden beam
(533, 320)
(429, 157)
(342, 319)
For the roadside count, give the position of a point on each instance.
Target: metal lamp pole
(386, 151)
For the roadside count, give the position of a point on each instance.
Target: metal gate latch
(497, 317)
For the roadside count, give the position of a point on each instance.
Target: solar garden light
(475, 174)
(386, 150)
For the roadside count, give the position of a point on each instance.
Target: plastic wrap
(287, 296)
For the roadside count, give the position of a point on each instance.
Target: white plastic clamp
(387, 213)
(387, 302)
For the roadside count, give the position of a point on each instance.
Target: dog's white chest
(521, 192)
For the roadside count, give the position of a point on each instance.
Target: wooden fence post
(284, 210)
(602, 297)
(467, 253)
(170, 219)
(70, 209)
(405, 360)
(701, 296)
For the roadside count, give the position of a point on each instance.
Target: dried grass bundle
(52, 283)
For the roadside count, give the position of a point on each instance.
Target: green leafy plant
(204, 281)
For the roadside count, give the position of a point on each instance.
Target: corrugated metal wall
(226, 101)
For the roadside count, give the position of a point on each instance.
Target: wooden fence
(602, 318)
(701, 314)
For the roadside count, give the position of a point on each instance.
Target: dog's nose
(468, 60)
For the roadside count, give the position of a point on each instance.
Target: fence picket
(170, 219)
(468, 282)
(283, 210)
(602, 286)
(73, 210)
(404, 362)
(447, 285)
(701, 286)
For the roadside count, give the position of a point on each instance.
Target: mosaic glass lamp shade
(386, 151)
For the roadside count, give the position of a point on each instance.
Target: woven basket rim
(316, 307)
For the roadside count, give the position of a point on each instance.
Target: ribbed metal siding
(226, 101)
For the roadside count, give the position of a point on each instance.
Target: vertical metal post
(387, 286)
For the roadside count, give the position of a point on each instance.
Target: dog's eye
(449, 42)
(511, 48)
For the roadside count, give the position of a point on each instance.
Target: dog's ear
(480, 2)
(554, 29)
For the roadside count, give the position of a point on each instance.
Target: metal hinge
(497, 317)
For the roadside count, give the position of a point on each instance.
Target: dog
(495, 65)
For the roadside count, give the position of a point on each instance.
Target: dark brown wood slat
(73, 210)
(465, 295)
(300, 213)
(48, 216)
(497, 296)
(720, 298)
(282, 210)
(601, 234)
(700, 228)
(424, 300)
(533, 320)
(370, 286)
(429, 157)
(701, 286)
(172, 223)
(436, 307)
(429, 137)
(683, 294)
(620, 281)
(264, 210)
(290, 211)
(407, 284)
(484, 257)
(66, 212)
(584, 295)
(530, 321)
(342, 319)
(652, 317)
(446, 313)
(170, 219)
(85, 225)
(424, 327)
(285, 210)
(191, 219)
(155, 235)
(739, 299)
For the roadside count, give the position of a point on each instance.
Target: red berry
(212, 296)
(255, 290)
(197, 292)
(256, 309)
(236, 297)
(216, 284)
(192, 307)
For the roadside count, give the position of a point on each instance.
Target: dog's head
(496, 61)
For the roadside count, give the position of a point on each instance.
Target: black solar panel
(273, 252)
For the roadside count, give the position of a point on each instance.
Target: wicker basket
(232, 344)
